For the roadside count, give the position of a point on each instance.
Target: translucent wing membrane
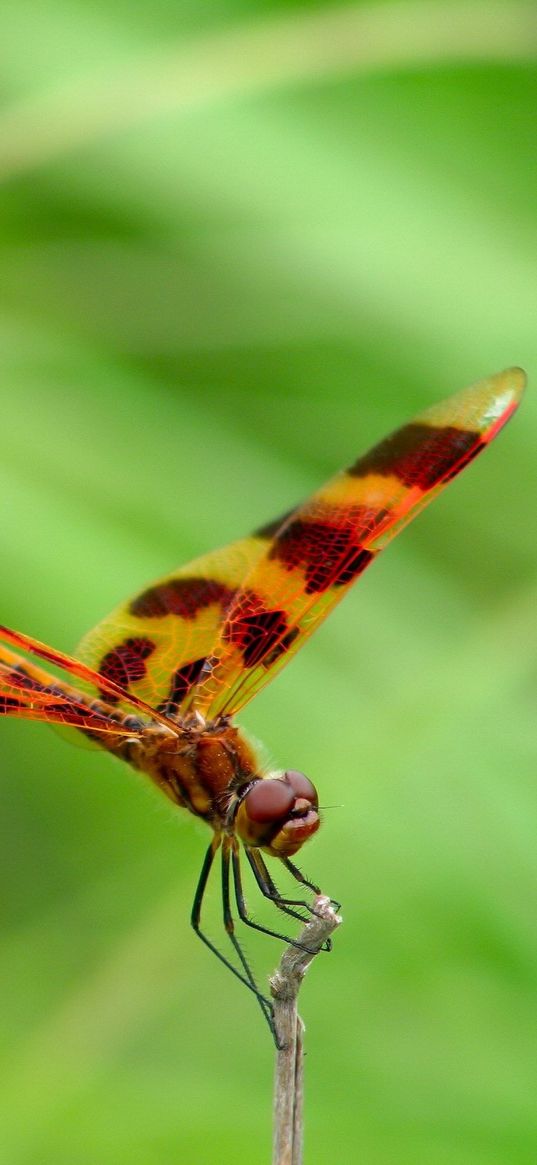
(28, 691)
(208, 636)
(156, 644)
(31, 702)
(311, 560)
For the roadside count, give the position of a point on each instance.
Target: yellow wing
(208, 636)
(325, 544)
(155, 645)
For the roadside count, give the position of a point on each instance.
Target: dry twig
(289, 1078)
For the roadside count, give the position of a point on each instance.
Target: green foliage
(225, 270)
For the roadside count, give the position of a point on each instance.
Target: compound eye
(301, 786)
(269, 800)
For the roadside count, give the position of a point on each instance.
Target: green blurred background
(241, 241)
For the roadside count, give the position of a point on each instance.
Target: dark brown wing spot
(183, 679)
(260, 634)
(66, 709)
(61, 706)
(280, 647)
(328, 553)
(419, 455)
(180, 596)
(10, 704)
(465, 460)
(73, 712)
(125, 663)
(19, 677)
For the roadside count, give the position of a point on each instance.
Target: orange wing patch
(22, 697)
(28, 691)
(320, 550)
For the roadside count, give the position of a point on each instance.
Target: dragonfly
(158, 682)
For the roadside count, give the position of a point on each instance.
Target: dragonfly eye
(269, 801)
(278, 814)
(302, 786)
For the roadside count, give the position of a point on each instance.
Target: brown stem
(289, 1078)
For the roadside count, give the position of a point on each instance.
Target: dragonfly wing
(53, 706)
(313, 558)
(156, 644)
(29, 691)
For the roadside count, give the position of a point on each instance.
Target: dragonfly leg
(264, 1003)
(299, 877)
(270, 890)
(242, 908)
(195, 919)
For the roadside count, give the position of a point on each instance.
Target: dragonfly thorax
(214, 772)
(203, 769)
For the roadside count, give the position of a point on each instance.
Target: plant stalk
(288, 1112)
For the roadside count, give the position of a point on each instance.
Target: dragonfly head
(278, 814)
